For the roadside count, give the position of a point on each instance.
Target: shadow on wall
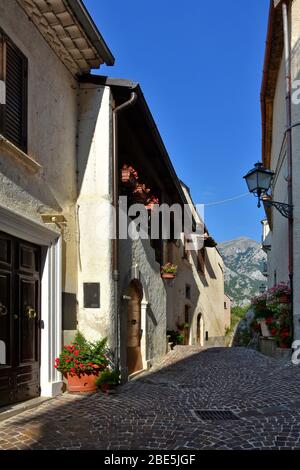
(34, 184)
(90, 103)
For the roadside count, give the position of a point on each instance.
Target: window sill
(19, 155)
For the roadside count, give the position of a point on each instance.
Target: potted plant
(262, 313)
(169, 271)
(141, 193)
(108, 379)
(151, 202)
(129, 176)
(176, 338)
(280, 293)
(81, 362)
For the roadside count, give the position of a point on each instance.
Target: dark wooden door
(134, 355)
(19, 320)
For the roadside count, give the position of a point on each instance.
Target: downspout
(289, 146)
(115, 247)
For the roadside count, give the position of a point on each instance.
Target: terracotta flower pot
(284, 299)
(141, 194)
(128, 178)
(84, 383)
(168, 276)
(105, 387)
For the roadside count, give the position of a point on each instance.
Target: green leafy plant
(82, 357)
(109, 377)
(183, 326)
(169, 268)
(175, 337)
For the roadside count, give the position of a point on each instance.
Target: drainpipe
(289, 149)
(115, 247)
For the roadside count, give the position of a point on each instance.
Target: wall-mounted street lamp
(262, 288)
(259, 181)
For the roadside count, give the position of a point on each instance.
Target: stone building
(280, 233)
(65, 263)
(196, 297)
(41, 61)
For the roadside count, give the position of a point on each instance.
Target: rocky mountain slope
(244, 261)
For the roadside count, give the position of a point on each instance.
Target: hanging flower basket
(168, 276)
(284, 299)
(141, 193)
(129, 176)
(151, 202)
(169, 271)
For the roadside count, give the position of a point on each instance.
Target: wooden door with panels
(20, 267)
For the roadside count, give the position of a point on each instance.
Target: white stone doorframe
(144, 307)
(21, 227)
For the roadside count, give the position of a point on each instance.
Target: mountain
(244, 263)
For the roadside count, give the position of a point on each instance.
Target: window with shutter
(201, 261)
(13, 73)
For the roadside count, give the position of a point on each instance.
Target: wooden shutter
(201, 261)
(14, 112)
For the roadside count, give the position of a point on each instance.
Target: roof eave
(134, 86)
(270, 73)
(91, 30)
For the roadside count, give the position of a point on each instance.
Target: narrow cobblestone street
(159, 409)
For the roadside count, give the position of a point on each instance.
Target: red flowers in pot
(81, 362)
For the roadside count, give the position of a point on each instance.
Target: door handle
(30, 313)
(3, 310)
(16, 317)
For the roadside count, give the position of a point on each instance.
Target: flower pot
(284, 299)
(141, 194)
(264, 328)
(168, 276)
(105, 387)
(84, 383)
(128, 178)
(283, 346)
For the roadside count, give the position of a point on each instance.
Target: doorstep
(10, 411)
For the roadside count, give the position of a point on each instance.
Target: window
(13, 108)
(187, 291)
(225, 305)
(201, 261)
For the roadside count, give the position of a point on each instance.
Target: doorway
(20, 288)
(134, 331)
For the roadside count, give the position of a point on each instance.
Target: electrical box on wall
(91, 295)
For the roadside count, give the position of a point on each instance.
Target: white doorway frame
(49, 240)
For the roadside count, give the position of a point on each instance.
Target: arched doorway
(200, 330)
(134, 330)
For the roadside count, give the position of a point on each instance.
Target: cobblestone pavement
(159, 409)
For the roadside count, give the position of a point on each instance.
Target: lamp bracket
(285, 209)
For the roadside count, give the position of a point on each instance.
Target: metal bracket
(57, 219)
(285, 209)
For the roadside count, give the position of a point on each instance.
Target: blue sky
(200, 66)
